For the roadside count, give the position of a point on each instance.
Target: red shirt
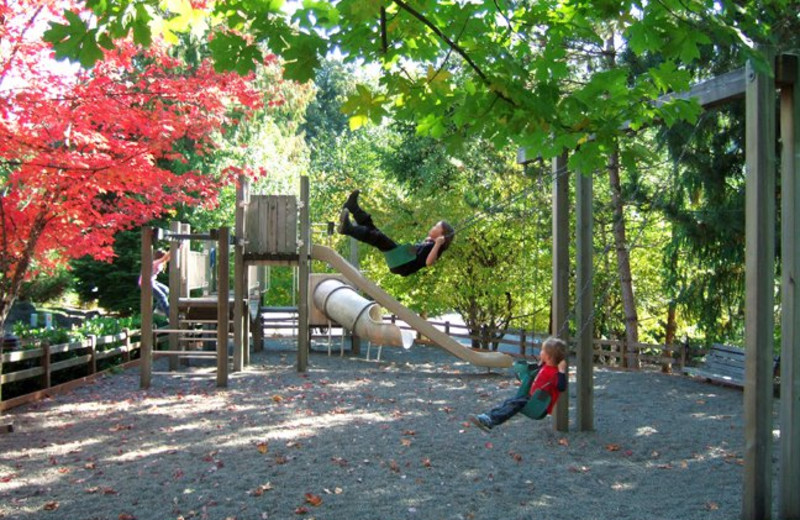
(547, 379)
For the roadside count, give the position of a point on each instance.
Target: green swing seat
(402, 254)
(536, 407)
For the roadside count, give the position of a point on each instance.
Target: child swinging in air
(552, 378)
(427, 252)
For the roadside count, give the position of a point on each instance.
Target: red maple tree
(82, 151)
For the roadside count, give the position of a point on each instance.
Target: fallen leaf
(257, 492)
(394, 467)
(712, 506)
(337, 491)
(426, 462)
(489, 445)
(262, 447)
(516, 456)
(277, 398)
(301, 510)
(563, 441)
(126, 516)
(314, 500)
(339, 461)
(409, 432)
(405, 442)
(612, 447)
(50, 506)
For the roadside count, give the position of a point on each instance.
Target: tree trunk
(11, 282)
(630, 359)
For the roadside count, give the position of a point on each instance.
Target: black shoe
(352, 201)
(344, 222)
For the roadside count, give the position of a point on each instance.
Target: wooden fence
(42, 362)
(526, 343)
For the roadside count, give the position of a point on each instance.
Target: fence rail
(51, 359)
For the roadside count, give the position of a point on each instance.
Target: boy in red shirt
(552, 378)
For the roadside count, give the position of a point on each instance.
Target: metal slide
(341, 303)
(354, 276)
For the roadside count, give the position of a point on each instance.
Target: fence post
(92, 354)
(45, 365)
(447, 328)
(126, 354)
(522, 342)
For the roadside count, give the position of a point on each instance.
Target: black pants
(364, 230)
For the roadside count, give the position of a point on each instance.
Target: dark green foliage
(46, 288)
(114, 286)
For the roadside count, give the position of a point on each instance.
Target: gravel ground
(358, 439)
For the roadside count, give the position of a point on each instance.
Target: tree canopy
(87, 153)
(533, 68)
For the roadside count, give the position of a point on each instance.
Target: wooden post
(789, 476)
(223, 311)
(176, 276)
(146, 309)
(46, 373)
(126, 354)
(584, 295)
(759, 293)
(522, 342)
(560, 323)
(303, 332)
(92, 354)
(258, 333)
(355, 341)
(239, 287)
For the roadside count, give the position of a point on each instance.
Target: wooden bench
(724, 364)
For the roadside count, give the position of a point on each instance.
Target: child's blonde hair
(556, 348)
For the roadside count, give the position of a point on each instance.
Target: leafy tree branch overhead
(86, 153)
(535, 74)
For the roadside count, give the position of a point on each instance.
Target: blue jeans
(508, 409)
(161, 295)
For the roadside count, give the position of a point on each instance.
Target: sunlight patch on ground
(645, 431)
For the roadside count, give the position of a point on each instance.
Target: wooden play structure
(270, 230)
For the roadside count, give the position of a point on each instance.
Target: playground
(352, 438)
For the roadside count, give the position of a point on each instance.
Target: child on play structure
(160, 291)
(426, 252)
(552, 378)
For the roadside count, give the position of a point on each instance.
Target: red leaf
(313, 499)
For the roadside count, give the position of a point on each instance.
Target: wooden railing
(47, 360)
(526, 343)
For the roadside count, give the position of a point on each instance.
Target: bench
(725, 364)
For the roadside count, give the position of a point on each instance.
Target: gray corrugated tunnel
(342, 304)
